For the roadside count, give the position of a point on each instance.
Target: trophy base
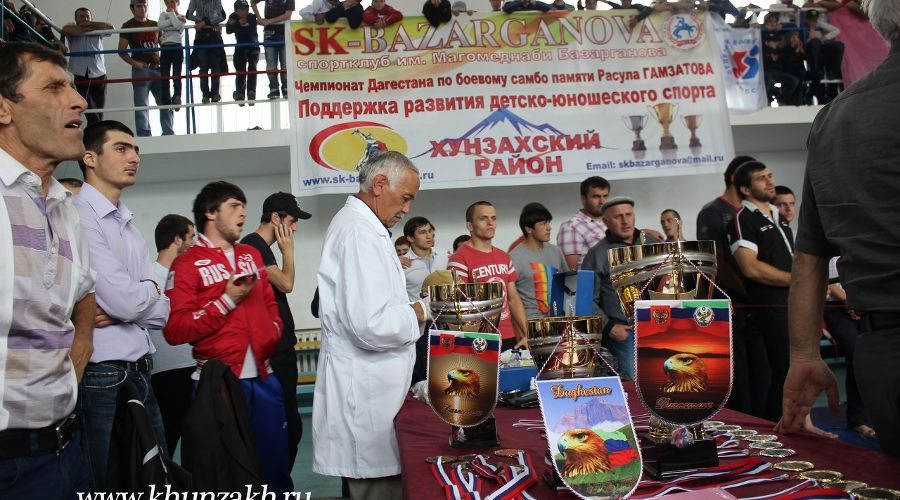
(695, 143)
(638, 145)
(667, 143)
(663, 461)
(483, 435)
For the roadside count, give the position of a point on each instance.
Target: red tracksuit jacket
(201, 316)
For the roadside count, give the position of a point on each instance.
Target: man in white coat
(369, 330)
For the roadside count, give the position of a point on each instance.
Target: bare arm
(760, 271)
(283, 278)
(83, 340)
(123, 44)
(517, 311)
(75, 29)
(808, 374)
(572, 261)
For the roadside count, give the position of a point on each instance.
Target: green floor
(304, 478)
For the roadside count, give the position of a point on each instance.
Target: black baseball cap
(286, 203)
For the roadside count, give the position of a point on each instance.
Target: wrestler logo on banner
(347, 146)
(507, 144)
(683, 31)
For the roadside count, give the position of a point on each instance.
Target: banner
(683, 351)
(497, 99)
(463, 375)
(745, 84)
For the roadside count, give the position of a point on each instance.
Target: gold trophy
(692, 122)
(565, 347)
(664, 113)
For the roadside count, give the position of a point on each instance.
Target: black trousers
(284, 367)
(770, 325)
(845, 332)
(877, 368)
(173, 389)
(94, 92)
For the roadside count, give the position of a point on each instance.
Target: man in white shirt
(369, 328)
(89, 71)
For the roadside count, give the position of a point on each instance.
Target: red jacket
(201, 315)
(390, 15)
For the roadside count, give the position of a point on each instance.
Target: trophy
(566, 347)
(636, 123)
(463, 359)
(692, 122)
(667, 288)
(664, 113)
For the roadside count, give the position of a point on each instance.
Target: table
(422, 434)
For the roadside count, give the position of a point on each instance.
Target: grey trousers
(378, 488)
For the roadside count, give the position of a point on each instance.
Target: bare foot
(809, 426)
(865, 430)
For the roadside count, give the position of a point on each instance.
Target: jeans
(96, 409)
(623, 350)
(245, 59)
(142, 91)
(44, 476)
(170, 64)
(276, 54)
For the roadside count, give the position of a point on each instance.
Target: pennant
(463, 375)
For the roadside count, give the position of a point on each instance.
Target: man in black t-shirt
(278, 224)
(275, 14)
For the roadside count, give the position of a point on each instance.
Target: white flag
(745, 85)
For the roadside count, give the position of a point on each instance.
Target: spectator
(401, 246)
(459, 7)
(536, 261)
(42, 442)
(207, 16)
(525, 5)
(380, 14)
(437, 12)
(776, 71)
(351, 9)
(275, 13)
(72, 184)
(588, 5)
(129, 301)
(496, 5)
(580, 232)
(785, 202)
(171, 57)
(671, 223)
(278, 225)
(459, 241)
(786, 12)
(144, 68)
(89, 71)
(793, 55)
(172, 365)
(480, 260)
(824, 55)
(618, 332)
(243, 24)
(226, 310)
(561, 5)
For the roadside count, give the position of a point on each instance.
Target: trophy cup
(463, 383)
(664, 113)
(665, 272)
(692, 122)
(636, 123)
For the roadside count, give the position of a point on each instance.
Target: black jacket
(217, 444)
(437, 14)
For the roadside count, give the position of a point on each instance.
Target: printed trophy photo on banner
(463, 358)
(682, 344)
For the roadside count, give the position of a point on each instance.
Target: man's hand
(405, 262)
(284, 236)
(199, 25)
(101, 319)
(619, 332)
(320, 18)
(237, 290)
(521, 343)
(379, 24)
(265, 22)
(806, 379)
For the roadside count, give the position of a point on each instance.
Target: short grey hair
(390, 163)
(885, 17)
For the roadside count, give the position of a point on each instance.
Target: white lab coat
(368, 348)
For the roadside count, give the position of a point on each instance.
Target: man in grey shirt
(89, 71)
(536, 261)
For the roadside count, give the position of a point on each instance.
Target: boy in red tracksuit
(380, 14)
(221, 303)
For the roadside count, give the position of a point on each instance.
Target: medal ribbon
(512, 484)
(457, 484)
(733, 483)
(745, 467)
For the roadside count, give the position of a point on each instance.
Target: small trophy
(665, 113)
(692, 122)
(636, 123)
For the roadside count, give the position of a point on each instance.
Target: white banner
(745, 84)
(495, 99)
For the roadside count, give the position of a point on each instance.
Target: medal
(728, 428)
(777, 452)
(876, 494)
(822, 475)
(712, 424)
(444, 458)
(507, 452)
(847, 486)
(762, 437)
(794, 466)
(765, 445)
(743, 433)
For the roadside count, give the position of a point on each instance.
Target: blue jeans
(276, 54)
(142, 90)
(45, 476)
(624, 352)
(96, 409)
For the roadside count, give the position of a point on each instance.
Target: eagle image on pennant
(463, 375)
(684, 358)
(591, 436)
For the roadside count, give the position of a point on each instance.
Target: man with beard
(763, 246)
(580, 232)
(223, 305)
